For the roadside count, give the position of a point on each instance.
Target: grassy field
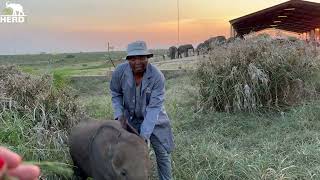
(68, 64)
(209, 145)
(64, 64)
(212, 145)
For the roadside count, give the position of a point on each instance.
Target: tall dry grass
(258, 73)
(38, 117)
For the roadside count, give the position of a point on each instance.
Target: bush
(52, 108)
(257, 73)
(70, 56)
(37, 120)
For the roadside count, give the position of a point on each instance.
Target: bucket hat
(138, 48)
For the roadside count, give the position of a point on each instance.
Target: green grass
(19, 134)
(98, 107)
(222, 146)
(84, 63)
(213, 145)
(93, 68)
(80, 64)
(60, 59)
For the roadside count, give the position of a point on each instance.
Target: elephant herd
(203, 48)
(183, 50)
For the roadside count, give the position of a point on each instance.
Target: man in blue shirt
(137, 89)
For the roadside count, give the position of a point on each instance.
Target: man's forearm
(118, 112)
(117, 106)
(116, 94)
(149, 122)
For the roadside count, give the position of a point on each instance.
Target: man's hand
(147, 141)
(123, 122)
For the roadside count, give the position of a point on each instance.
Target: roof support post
(316, 34)
(232, 31)
(308, 35)
(312, 35)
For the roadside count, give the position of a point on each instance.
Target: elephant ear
(117, 163)
(104, 149)
(116, 160)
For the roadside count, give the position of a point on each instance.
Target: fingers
(124, 123)
(12, 159)
(22, 172)
(132, 129)
(148, 143)
(25, 172)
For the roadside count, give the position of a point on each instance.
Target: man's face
(138, 63)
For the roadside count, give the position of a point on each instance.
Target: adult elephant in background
(202, 48)
(209, 44)
(172, 52)
(215, 41)
(184, 49)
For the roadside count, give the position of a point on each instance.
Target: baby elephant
(103, 150)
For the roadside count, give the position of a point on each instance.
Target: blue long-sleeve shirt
(123, 93)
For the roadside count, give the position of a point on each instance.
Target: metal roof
(295, 15)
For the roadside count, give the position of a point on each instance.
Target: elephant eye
(123, 172)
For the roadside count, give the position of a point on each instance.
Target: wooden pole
(178, 7)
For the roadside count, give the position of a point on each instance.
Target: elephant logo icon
(17, 9)
(12, 13)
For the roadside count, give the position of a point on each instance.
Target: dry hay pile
(52, 111)
(257, 73)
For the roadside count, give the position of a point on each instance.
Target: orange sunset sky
(83, 25)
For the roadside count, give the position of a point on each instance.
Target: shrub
(50, 106)
(70, 56)
(39, 118)
(53, 111)
(257, 73)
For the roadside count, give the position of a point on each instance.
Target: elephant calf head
(103, 150)
(130, 163)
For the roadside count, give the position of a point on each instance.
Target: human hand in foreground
(11, 167)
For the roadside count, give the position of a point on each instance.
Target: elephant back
(210, 43)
